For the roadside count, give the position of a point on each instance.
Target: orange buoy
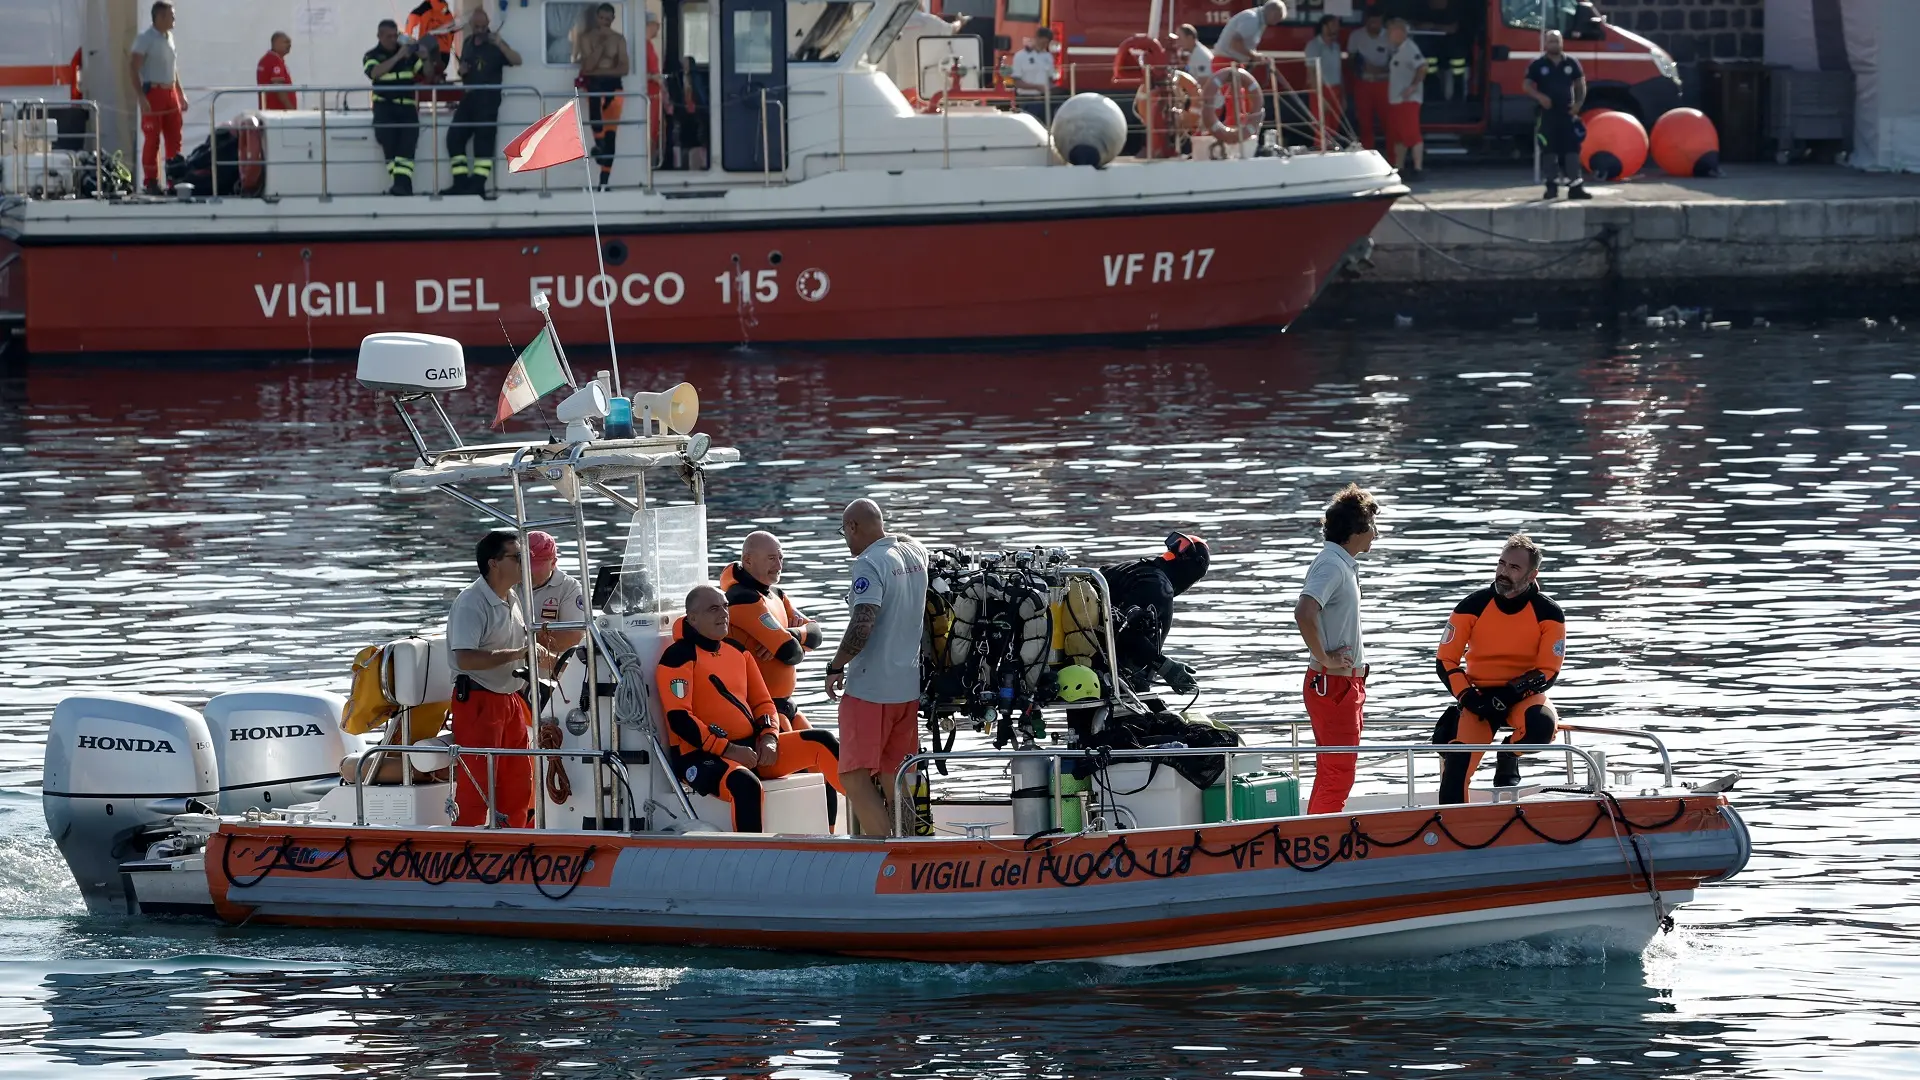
(1616, 145)
(1684, 143)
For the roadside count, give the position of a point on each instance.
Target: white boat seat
(420, 670)
(796, 805)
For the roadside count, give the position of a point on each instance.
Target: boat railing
(1058, 759)
(433, 99)
(624, 797)
(1567, 732)
(32, 132)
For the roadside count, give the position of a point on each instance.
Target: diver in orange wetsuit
(721, 725)
(763, 621)
(1500, 653)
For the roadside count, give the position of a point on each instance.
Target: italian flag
(535, 374)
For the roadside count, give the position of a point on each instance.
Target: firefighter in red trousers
(163, 107)
(721, 723)
(487, 640)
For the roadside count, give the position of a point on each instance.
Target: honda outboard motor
(276, 746)
(118, 767)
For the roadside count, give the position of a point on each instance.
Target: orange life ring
(1246, 108)
(253, 154)
(1142, 53)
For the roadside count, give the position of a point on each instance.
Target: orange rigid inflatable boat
(239, 811)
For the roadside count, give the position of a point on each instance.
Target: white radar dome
(412, 363)
(1089, 129)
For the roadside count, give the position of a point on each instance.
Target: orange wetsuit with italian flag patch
(1498, 656)
(715, 699)
(761, 619)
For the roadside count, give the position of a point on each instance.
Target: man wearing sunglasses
(487, 640)
(1142, 593)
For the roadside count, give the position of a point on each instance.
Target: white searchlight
(582, 406)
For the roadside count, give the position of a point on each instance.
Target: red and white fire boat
(833, 210)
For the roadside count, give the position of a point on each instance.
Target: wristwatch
(833, 669)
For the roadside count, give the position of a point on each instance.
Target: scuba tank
(1083, 631)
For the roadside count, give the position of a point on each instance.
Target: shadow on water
(661, 1013)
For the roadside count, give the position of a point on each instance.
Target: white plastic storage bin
(1166, 800)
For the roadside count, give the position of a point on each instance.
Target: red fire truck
(1485, 45)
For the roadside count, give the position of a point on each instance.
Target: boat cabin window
(753, 42)
(693, 32)
(885, 38)
(822, 29)
(567, 20)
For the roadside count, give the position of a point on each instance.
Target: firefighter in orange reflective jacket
(721, 722)
(764, 622)
(1501, 651)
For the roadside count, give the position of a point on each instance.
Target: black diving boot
(1506, 770)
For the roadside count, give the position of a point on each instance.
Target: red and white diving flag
(555, 140)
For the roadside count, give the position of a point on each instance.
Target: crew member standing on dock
(1558, 83)
(163, 105)
(1323, 54)
(604, 63)
(1406, 93)
(484, 60)
(486, 641)
(1512, 639)
(393, 69)
(1033, 76)
(878, 663)
(1371, 51)
(1328, 615)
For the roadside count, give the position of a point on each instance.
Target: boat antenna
(599, 253)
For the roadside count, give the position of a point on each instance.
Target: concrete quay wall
(1595, 243)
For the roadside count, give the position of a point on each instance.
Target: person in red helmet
(1142, 595)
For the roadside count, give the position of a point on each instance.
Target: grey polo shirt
(1328, 57)
(1333, 580)
(560, 600)
(891, 573)
(1374, 50)
(157, 62)
(480, 619)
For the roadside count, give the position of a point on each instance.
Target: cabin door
(753, 85)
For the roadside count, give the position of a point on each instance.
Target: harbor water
(1730, 522)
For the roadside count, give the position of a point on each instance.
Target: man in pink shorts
(877, 667)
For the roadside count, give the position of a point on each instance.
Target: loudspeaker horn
(675, 411)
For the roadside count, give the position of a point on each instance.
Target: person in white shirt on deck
(1198, 58)
(1240, 38)
(1033, 75)
(1328, 614)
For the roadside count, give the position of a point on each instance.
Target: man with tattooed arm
(875, 674)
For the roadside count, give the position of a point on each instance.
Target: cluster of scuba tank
(1000, 628)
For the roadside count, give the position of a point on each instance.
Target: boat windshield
(885, 38)
(824, 29)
